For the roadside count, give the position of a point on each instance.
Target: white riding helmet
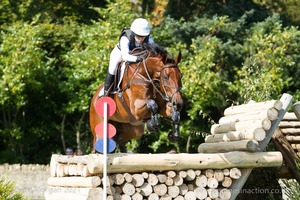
(140, 27)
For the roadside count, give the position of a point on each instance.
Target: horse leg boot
(175, 133)
(153, 123)
(108, 82)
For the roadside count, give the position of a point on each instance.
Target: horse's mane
(154, 49)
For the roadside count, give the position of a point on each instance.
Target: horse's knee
(152, 106)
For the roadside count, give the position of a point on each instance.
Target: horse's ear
(165, 57)
(178, 57)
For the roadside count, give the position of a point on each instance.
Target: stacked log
(183, 184)
(152, 176)
(290, 130)
(242, 127)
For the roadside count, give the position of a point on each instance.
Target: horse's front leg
(174, 135)
(153, 123)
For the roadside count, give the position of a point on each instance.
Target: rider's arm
(150, 40)
(124, 46)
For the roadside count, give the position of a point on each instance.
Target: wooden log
(109, 180)
(166, 197)
(62, 193)
(152, 179)
(85, 172)
(160, 189)
(169, 181)
(225, 194)
(200, 192)
(289, 124)
(257, 134)
(171, 174)
(89, 182)
(219, 175)
(198, 172)
(128, 188)
(162, 178)
(290, 116)
(291, 131)
(146, 189)
(226, 172)
(235, 173)
(250, 107)
(183, 189)
(117, 196)
(213, 193)
(145, 175)
(182, 173)
(201, 181)
(292, 138)
(119, 179)
(137, 180)
(178, 180)
(190, 175)
(60, 170)
(111, 190)
(212, 183)
(296, 146)
(190, 195)
(191, 187)
(118, 189)
(153, 196)
(209, 173)
(127, 177)
(243, 145)
(72, 159)
(118, 163)
(53, 165)
(270, 113)
(125, 197)
(239, 126)
(137, 196)
(179, 198)
(226, 182)
(173, 191)
(296, 109)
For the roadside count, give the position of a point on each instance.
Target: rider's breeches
(115, 59)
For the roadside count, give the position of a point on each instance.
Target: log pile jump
(223, 163)
(287, 140)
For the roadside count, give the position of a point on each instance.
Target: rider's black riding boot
(108, 82)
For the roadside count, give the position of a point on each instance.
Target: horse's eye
(166, 76)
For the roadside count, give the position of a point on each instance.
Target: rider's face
(139, 39)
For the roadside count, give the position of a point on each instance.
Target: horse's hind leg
(153, 123)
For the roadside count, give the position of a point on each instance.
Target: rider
(129, 39)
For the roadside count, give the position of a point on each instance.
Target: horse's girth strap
(131, 117)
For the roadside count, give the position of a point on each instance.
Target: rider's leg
(108, 82)
(115, 58)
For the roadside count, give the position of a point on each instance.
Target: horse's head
(170, 84)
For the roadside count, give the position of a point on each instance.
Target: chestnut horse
(147, 89)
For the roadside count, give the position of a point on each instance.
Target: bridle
(164, 96)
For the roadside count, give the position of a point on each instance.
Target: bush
(7, 191)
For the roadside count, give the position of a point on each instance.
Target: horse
(148, 89)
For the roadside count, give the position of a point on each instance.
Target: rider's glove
(141, 58)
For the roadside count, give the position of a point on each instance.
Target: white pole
(105, 152)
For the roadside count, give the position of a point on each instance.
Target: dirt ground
(30, 180)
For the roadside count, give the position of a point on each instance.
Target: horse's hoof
(150, 127)
(172, 137)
